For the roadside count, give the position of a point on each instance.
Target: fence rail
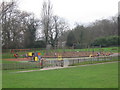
(92, 60)
(56, 63)
(13, 66)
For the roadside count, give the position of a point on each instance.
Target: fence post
(73, 61)
(91, 60)
(41, 64)
(98, 58)
(105, 58)
(62, 63)
(111, 58)
(78, 60)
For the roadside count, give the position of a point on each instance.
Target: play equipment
(90, 55)
(16, 55)
(34, 56)
(60, 57)
(30, 54)
(36, 59)
(39, 53)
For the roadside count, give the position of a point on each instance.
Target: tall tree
(16, 26)
(46, 19)
(59, 26)
(71, 39)
(6, 13)
(30, 33)
(52, 26)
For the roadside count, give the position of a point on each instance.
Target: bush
(107, 41)
(70, 39)
(40, 44)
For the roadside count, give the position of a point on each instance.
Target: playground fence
(57, 63)
(92, 60)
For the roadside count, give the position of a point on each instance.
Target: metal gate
(52, 63)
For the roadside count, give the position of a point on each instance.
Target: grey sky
(74, 11)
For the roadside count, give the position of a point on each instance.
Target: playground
(26, 58)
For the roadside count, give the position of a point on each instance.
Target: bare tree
(7, 10)
(46, 19)
(52, 26)
(19, 27)
(30, 32)
(59, 26)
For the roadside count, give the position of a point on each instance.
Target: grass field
(95, 76)
(5, 61)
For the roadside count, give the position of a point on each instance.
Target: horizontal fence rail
(57, 63)
(13, 66)
(92, 60)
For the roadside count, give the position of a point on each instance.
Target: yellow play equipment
(34, 56)
(30, 54)
(36, 59)
(90, 55)
(60, 57)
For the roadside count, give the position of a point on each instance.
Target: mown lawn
(6, 61)
(95, 76)
(105, 49)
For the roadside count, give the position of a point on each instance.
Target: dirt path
(54, 68)
(18, 59)
(115, 54)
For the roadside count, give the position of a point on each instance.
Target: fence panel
(13, 66)
(91, 60)
(56, 63)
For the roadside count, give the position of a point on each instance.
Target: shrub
(107, 41)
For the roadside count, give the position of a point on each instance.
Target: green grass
(5, 61)
(95, 76)
(106, 49)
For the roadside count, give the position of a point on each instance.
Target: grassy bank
(96, 76)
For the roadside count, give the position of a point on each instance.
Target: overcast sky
(74, 11)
